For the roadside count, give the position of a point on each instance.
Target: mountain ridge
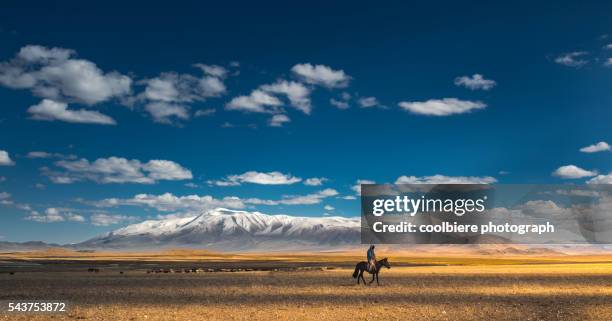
(225, 229)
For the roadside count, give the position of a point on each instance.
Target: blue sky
(198, 105)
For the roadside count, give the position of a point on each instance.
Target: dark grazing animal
(363, 267)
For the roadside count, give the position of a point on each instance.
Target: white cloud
(103, 219)
(74, 217)
(163, 112)
(256, 102)
(5, 159)
(253, 177)
(166, 170)
(572, 59)
(4, 195)
(608, 46)
(599, 147)
(117, 170)
(573, 172)
(321, 75)
(39, 154)
(264, 99)
(309, 199)
(442, 107)
(601, 179)
(182, 88)
(213, 70)
(608, 62)
(205, 112)
(475, 82)
(53, 215)
(54, 73)
(278, 120)
(168, 202)
(339, 103)
(348, 197)
(443, 179)
(298, 94)
(367, 102)
(328, 208)
(182, 206)
(315, 181)
(50, 110)
(166, 96)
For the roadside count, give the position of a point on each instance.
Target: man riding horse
(371, 259)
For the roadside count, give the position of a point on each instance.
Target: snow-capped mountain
(230, 230)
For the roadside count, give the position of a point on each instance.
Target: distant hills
(225, 230)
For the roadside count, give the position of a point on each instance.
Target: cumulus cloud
(117, 170)
(315, 181)
(103, 219)
(442, 107)
(321, 75)
(601, 179)
(298, 94)
(367, 102)
(278, 120)
(166, 113)
(213, 70)
(599, 147)
(340, 104)
(55, 73)
(51, 110)
(258, 101)
(167, 95)
(175, 87)
(573, 172)
(166, 170)
(328, 208)
(443, 179)
(195, 204)
(253, 177)
(53, 215)
(475, 82)
(168, 202)
(5, 159)
(572, 59)
(264, 100)
(309, 199)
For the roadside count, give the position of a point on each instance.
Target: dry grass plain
(477, 288)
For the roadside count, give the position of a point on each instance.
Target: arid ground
(309, 287)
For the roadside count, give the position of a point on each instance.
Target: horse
(363, 266)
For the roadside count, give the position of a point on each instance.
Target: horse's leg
(378, 283)
(364, 281)
(359, 275)
(373, 277)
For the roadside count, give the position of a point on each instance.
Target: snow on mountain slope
(223, 229)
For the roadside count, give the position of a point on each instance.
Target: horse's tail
(356, 271)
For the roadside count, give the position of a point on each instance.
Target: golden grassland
(451, 287)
